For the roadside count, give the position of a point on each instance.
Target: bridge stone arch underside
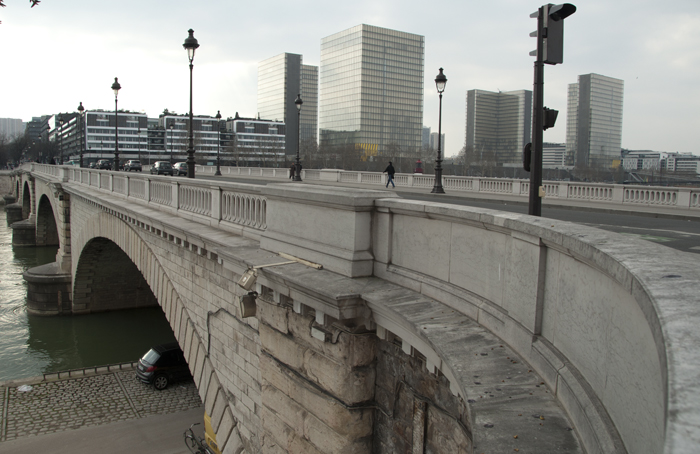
(100, 226)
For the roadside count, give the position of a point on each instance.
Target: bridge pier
(23, 233)
(9, 199)
(48, 290)
(14, 213)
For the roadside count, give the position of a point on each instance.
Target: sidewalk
(60, 405)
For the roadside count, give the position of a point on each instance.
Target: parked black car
(162, 168)
(180, 168)
(133, 164)
(163, 365)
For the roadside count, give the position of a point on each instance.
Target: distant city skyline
(142, 45)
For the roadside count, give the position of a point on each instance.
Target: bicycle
(195, 444)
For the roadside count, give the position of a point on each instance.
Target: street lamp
(81, 111)
(116, 87)
(297, 174)
(440, 82)
(218, 142)
(191, 45)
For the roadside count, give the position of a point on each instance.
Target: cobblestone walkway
(67, 404)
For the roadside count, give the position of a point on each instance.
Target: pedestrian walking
(291, 171)
(390, 171)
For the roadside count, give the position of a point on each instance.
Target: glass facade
(280, 79)
(309, 111)
(499, 124)
(594, 128)
(371, 91)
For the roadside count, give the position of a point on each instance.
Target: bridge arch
(26, 200)
(46, 226)
(106, 279)
(102, 234)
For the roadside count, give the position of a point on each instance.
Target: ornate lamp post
(116, 87)
(81, 111)
(440, 82)
(297, 167)
(218, 142)
(191, 45)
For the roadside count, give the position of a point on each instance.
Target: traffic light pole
(535, 200)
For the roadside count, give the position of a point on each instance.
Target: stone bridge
(369, 323)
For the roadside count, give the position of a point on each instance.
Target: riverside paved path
(63, 402)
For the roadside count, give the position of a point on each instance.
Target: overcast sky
(60, 53)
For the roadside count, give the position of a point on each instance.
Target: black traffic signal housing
(549, 118)
(553, 38)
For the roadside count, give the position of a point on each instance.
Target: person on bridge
(390, 171)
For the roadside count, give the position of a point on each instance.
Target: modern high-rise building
(434, 144)
(371, 89)
(280, 79)
(425, 137)
(38, 128)
(499, 124)
(309, 110)
(594, 121)
(11, 127)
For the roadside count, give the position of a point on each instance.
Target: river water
(31, 345)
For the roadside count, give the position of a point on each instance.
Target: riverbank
(80, 399)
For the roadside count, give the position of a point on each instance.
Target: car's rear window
(151, 357)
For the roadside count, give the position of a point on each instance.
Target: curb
(68, 374)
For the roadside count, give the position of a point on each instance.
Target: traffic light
(550, 117)
(553, 22)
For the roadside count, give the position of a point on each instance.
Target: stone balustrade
(232, 206)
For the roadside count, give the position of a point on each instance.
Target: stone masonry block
(351, 422)
(273, 315)
(351, 350)
(212, 390)
(349, 384)
(226, 425)
(220, 406)
(279, 437)
(282, 347)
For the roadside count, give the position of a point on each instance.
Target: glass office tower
(499, 124)
(309, 111)
(594, 122)
(371, 89)
(280, 79)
